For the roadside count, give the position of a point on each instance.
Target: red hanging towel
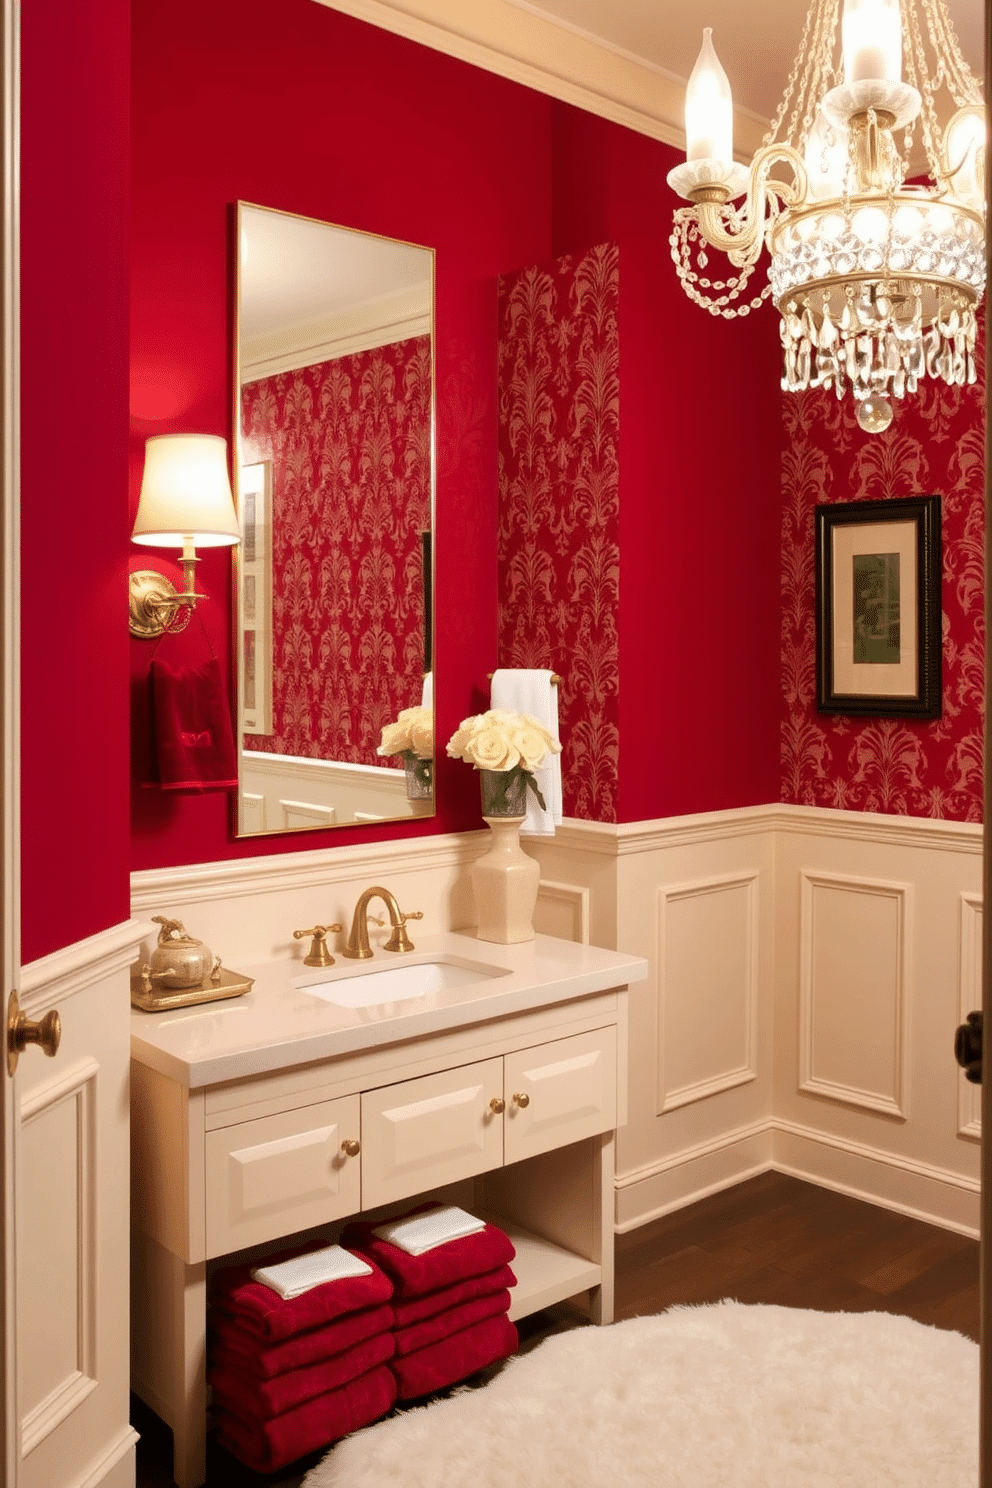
(192, 739)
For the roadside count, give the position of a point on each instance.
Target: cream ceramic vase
(505, 879)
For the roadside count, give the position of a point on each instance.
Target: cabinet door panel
(281, 1173)
(421, 1133)
(570, 1092)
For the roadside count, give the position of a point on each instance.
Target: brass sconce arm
(766, 196)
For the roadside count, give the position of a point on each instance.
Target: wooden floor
(773, 1239)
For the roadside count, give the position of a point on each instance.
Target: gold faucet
(358, 948)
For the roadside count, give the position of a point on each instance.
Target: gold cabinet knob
(350, 1147)
(521, 1100)
(21, 1031)
(497, 1105)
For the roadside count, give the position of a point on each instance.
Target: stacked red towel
(450, 1305)
(291, 1376)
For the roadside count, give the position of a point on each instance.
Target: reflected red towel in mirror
(192, 738)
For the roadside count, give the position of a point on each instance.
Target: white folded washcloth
(423, 1232)
(530, 690)
(293, 1278)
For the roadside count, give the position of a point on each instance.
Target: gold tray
(157, 999)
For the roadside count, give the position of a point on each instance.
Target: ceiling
(756, 41)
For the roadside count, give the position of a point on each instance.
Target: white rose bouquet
(412, 737)
(509, 745)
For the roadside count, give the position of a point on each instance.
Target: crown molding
(560, 61)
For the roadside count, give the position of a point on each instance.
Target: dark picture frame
(878, 610)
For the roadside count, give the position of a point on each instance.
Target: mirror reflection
(334, 413)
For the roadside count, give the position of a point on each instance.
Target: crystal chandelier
(875, 274)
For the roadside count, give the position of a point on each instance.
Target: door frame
(9, 678)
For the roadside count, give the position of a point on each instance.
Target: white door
(65, 1163)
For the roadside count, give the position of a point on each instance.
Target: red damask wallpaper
(558, 543)
(349, 442)
(934, 446)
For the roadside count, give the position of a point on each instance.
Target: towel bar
(555, 679)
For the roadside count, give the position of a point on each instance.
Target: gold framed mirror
(334, 484)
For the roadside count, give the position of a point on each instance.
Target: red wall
(299, 107)
(74, 350)
(699, 444)
(934, 446)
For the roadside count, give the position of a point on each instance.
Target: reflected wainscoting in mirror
(334, 417)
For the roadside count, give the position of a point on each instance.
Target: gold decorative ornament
(186, 971)
(876, 281)
(21, 1031)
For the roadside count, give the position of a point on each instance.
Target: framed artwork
(878, 611)
(256, 597)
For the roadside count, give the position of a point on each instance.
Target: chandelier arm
(765, 194)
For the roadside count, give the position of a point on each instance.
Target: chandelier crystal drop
(875, 272)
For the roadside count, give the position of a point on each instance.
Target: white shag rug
(726, 1396)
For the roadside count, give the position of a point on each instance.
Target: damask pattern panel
(934, 446)
(349, 441)
(559, 540)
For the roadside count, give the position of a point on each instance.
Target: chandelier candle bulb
(709, 108)
(872, 40)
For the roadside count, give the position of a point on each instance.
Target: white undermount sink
(397, 983)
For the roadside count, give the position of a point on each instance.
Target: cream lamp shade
(186, 493)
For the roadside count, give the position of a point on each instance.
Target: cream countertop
(278, 1024)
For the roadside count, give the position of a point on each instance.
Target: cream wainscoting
(807, 971)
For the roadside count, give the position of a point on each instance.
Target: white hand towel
(293, 1278)
(531, 691)
(425, 1232)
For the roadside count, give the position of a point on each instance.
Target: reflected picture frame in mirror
(334, 409)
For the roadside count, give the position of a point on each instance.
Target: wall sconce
(186, 503)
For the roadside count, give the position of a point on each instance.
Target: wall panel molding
(970, 999)
(838, 985)
(723, 929)
(563, 910)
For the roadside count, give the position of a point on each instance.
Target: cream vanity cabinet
(505, 1102)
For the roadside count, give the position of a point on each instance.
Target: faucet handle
(399, 940)
(318, 954)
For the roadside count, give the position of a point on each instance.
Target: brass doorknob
(521, 1100)
(21, 1031)
(968, 1048)
(350, 1147)
(497, 1105)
